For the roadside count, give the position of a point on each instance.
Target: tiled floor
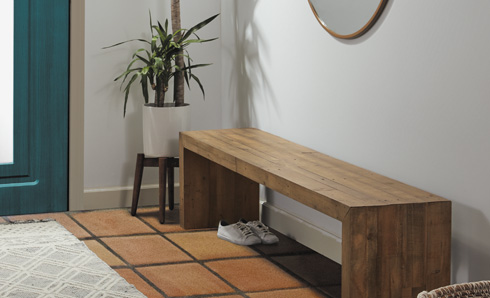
(167, 261)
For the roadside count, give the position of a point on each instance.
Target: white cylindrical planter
(161, 127)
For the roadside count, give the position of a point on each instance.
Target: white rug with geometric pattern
(43, 259)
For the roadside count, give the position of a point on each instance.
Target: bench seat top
(317, 180)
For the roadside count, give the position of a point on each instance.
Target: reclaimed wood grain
(396, 239)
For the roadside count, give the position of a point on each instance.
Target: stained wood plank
(386, 251)
(286, 160)
(234, 196)
(211, 192)
(438, 244)
(395, 237)
(196, 203)
(360, 253)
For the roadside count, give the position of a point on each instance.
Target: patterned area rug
(43, 259)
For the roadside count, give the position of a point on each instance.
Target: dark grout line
(260, 254)
(92, 235)
(194, 259)
(129, 266)
(134, 268)
(202, 263)
(160, 291)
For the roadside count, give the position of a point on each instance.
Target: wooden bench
(396, 239)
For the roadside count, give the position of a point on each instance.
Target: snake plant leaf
(195, 66)
(126, 73)
(123, 42)
(200, 85)
(153, 44)
(158, 62)
(167, 41)
(144, 70)
(190, 41)
(186, 77)
(132, 62)
(151, 22)
(189, 62)
(128, 87)
(198, 26)
(164, 30)
(137, 51)
(144, 60)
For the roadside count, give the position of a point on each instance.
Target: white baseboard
(305, 233)
(120, 197)
(290, 225)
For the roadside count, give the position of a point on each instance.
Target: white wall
(111, 141)
(409, 100)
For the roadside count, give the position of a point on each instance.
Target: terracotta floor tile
(253, 274)
(206, 245)
(150, 215)
(185, 280)
(146, 249)
(314, 268)
(2, 220)
(112, 223)
(62, 218)
(105, 255)
(142, 286)
(285, 246)
(290, 293)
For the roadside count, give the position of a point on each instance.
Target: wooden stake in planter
(179, 61)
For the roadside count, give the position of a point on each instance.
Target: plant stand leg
(173, 162)
(138, 175)
(162, 189)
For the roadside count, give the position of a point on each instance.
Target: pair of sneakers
(246, 233)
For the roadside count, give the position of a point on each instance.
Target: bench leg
(396, 251)
(210, 192)
(138, 175)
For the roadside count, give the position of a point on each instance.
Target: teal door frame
(37, 180)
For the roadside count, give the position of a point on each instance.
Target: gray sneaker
(261, 230)
(238, 233)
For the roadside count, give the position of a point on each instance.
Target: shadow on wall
(470, 257)
(248, 78)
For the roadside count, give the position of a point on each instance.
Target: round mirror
(347, 18)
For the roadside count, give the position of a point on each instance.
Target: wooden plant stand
(166, 167)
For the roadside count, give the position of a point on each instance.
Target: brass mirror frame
(364, 29)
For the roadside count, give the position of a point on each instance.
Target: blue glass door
(35, 178)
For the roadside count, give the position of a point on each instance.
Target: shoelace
(246, 231)
(261, 227)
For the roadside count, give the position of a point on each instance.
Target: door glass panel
(7, 82)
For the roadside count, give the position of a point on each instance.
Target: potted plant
(154, 66)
